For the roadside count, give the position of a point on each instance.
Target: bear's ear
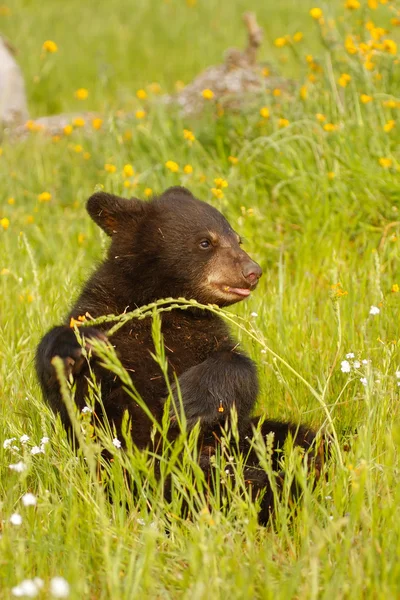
(177, 191)
(111, 212)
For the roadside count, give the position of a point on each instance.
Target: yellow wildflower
(44, 197)
(78, 122)
(11, 201)
(81, 319)
(50, 46)
(316, 13)
(220, 183)
(127, 183)
(390, 103)
(81, 238)
(110, 168)
(377, 33)
(298, 36)
(303, 92)
(344, 79)
(217, 192)
(390, 46)
(280, 42)
(155, 88)
(277, 92)
(395, 288)
(5, 223)
(389, 125)
(330, 127)
(172, 166)
(283, 122)
(86, 155)
(81, 94)
(207, 94)
(369, 65)
(386, 163)
(365, 98)
(395, 22)
(188, 169)
(33, 126)
(266, 72)
(331, 175)
(373, 4)
(78, 148)
(189, 136)
(148, 192)
(352, 4)
(5, 271)
(140, 114)
(67, 130)
(264, 112)
(233, 160)
(30, 219)
(128, 171)
(350, 45)
(141, 94)
(312, 78)
(97, 123)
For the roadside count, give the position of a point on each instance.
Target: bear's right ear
(111, 212)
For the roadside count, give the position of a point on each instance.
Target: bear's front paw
(71, 352)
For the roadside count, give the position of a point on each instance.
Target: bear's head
(174, 246)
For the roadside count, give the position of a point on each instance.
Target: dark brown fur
(172, 246)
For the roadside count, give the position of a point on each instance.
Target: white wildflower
(263, 351)
(59, 587)
(254, 314)
(86, 409)
(364, 380)
(44, 440)
(29, 499)
(398, 374)
(19, 467)
(7, 443)
(350, 355)
(24, 438)
(16, 519)
(345, 366)
(356, 364)
(28, 588)
(365, 361)
(374, 310)
(38, 582)
(117, 443)
(36, 450)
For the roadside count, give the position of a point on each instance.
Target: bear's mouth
(236, 291)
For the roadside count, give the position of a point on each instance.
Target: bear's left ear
(112, 212)
(178, 191)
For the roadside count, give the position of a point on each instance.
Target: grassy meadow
(313, 186)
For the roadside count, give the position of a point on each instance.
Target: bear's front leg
(212, 388)
(61, 341)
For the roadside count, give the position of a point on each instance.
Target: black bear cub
(172, 246)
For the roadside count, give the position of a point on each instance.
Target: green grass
(316, 208)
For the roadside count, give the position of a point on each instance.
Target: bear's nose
(252, 272)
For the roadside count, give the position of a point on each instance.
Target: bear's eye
(205, 244)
